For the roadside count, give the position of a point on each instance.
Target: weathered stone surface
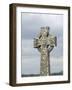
(45, 43)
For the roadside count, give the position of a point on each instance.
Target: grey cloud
(30, 66)
(31, 24)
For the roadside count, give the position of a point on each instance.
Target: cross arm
(36, 43)
(52, 41)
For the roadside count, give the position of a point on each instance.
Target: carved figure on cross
(45, 43)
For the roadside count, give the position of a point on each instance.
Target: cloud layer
(31, 24)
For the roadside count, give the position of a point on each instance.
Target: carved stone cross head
(44, 39)
(45, 43)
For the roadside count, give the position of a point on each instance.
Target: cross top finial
(45, 29)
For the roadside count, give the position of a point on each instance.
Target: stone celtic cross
(45, 43)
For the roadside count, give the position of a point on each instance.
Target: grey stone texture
(45, 43)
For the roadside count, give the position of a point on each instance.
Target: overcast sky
(30, 27)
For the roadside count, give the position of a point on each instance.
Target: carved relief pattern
(45, 43)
